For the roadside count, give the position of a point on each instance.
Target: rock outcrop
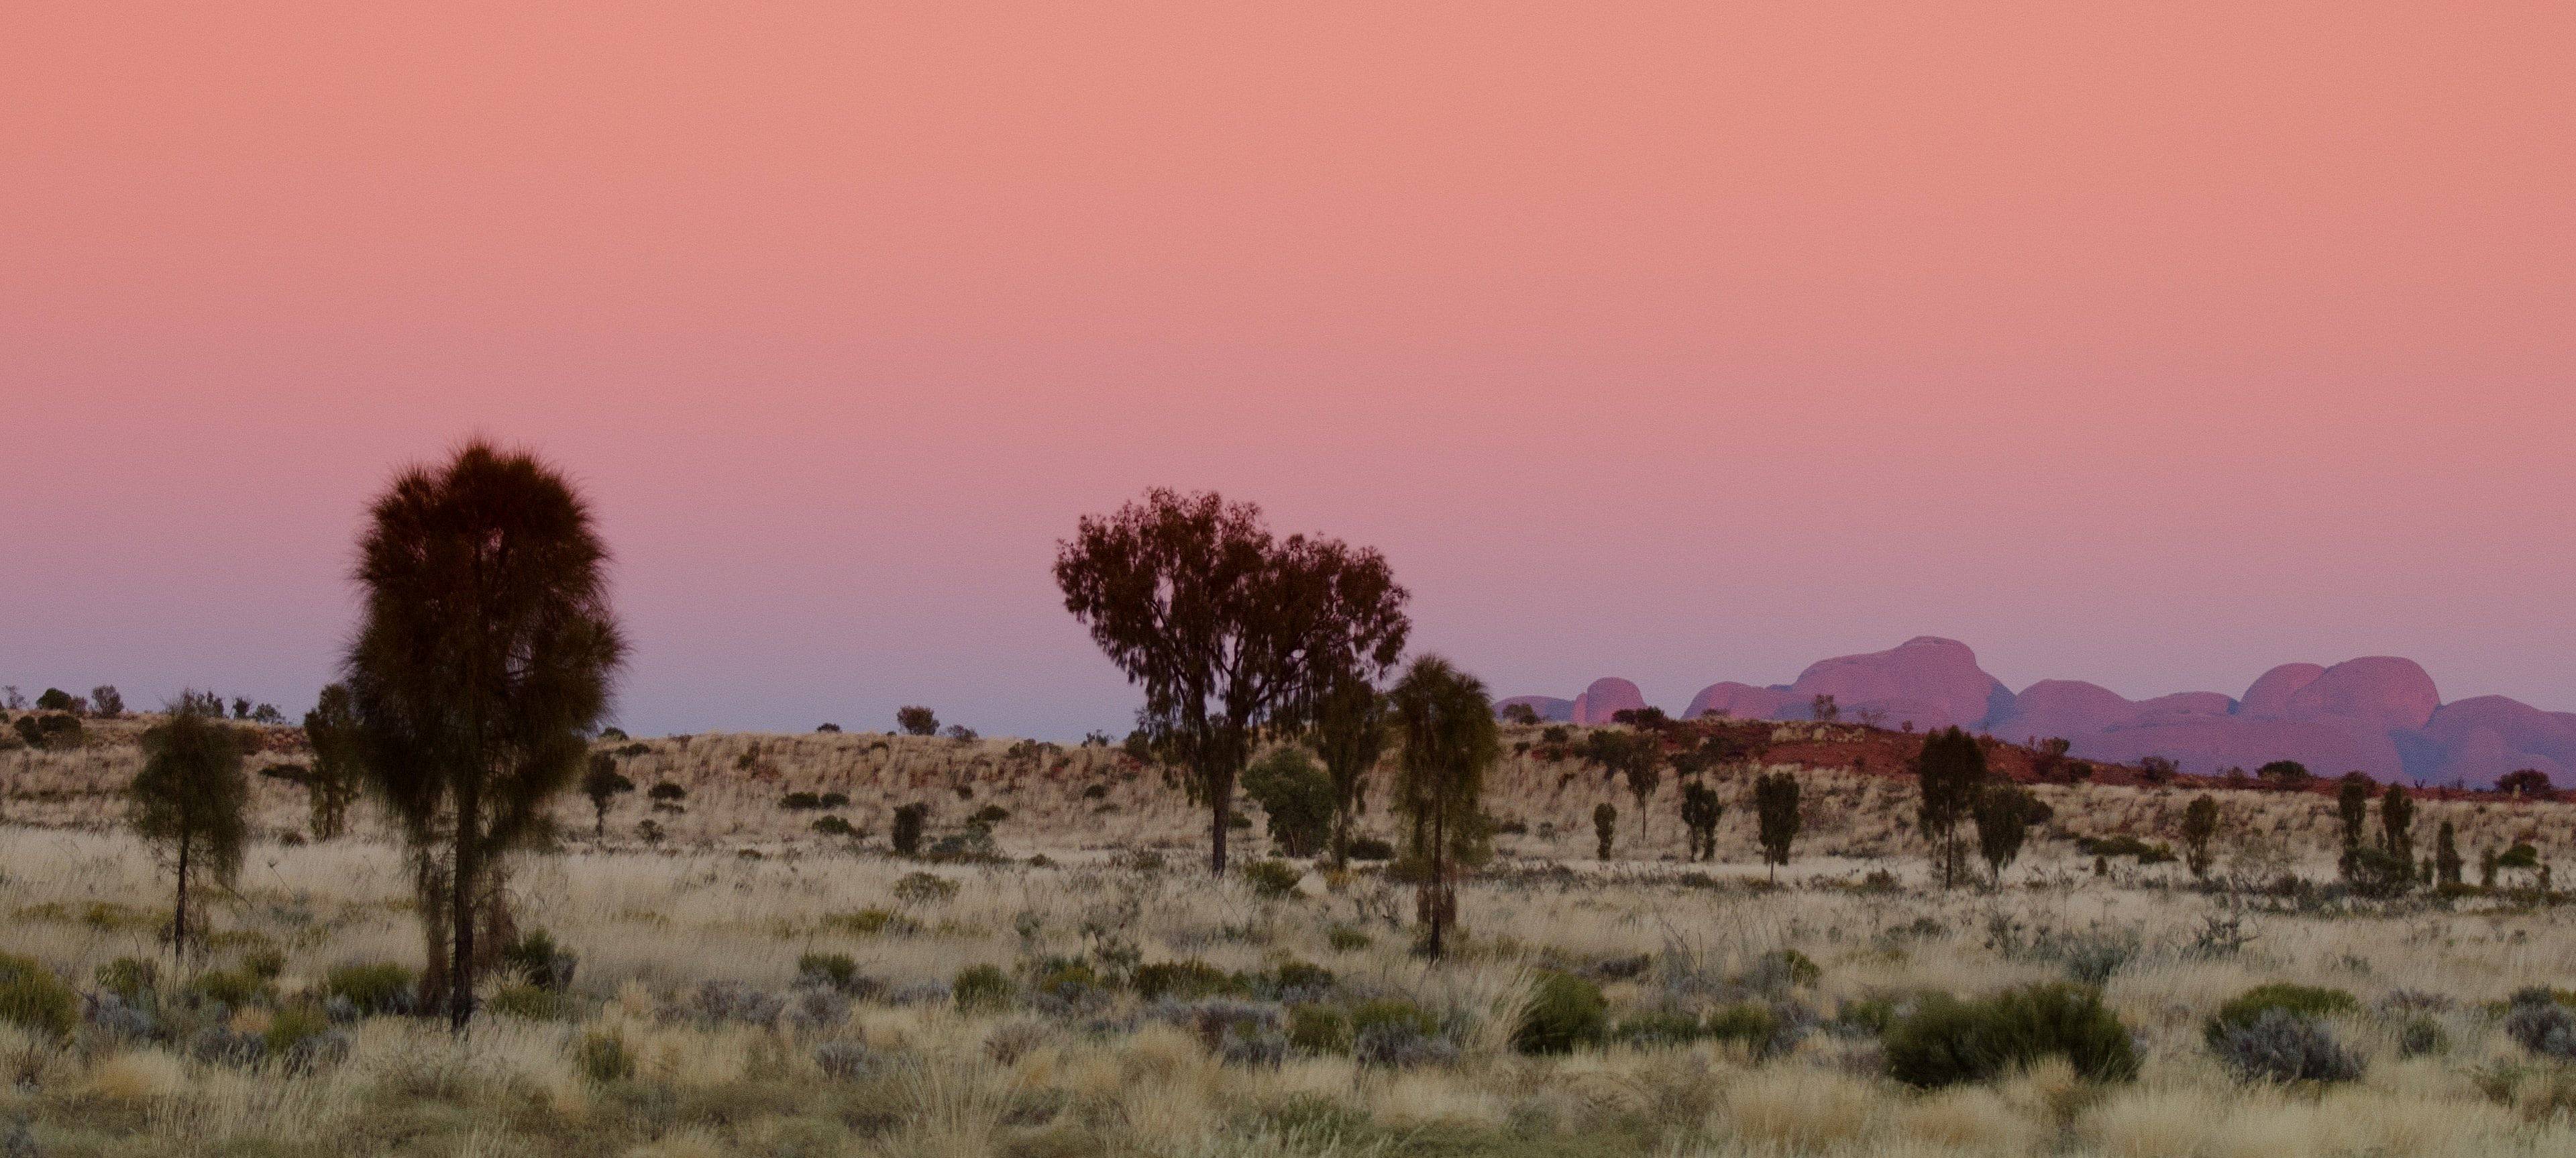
(2377, 714)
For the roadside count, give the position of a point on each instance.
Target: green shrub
(1947, 1041)
(983, 988)
(924, 888)
(1394, 1011)
(1186, 980)
(233, 987)
(1371, 848)
(1064, 977)
(1565, 1011)
(1272, 880)
(834, 826)
(1345, 939)
(833, 969)
(870, 923)
(2308, 1001)
(33, 998)
(130, 978)
(292, 1025)
(1296, 975)
(1744, 1023)
(374, 987)
(537, 960)
(603, 1055)
(1868, 1014)
(1658, 1029)
(1297, 798)
(529, 1003)
(1319, 1029)
(266, 963)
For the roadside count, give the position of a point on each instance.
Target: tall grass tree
(1349, 734)
(486, 656)
(1445, 719)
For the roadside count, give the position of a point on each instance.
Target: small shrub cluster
(1946, 1041)
(2280, 1046)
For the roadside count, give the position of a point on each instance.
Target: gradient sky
(2152, 344)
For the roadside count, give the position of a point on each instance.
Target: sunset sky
(2151, 344)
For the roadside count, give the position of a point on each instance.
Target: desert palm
(484, 660)
(1445, 721)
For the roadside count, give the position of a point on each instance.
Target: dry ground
(711, 1068)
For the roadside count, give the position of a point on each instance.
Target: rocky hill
(2378, 714)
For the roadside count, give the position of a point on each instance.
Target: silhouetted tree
(916, 720)
(105, 702)
(188, 800)
(1605, 827)
(2528, 783)
(1446, 722)
(1350, 733)
(1823, 709)
(1701, 810)
(331, 784)
(484, 659)
(1520, 714)
(2199, 829)
(2003, 813)
(603, 784)
(2446, 855)
(2397, 823)
(1950, 773)
(1228, 630)
(2287, 774)
(2352, 810)
(1775, 806)
(54, 700)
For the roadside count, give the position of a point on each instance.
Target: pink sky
(2149, 344)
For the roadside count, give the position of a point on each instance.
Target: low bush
(829, 970)
(375, 987)
(1272, 880)
(2279, 1046)
(1945, 1041)
(1345, 939)
(2307, 1001)
(924, 888)
(982, 989)
(2538, 1020)
(1319, 1029)
(1654, 1029)
(1564, 1011)
(1371, 848)
(130, 978)
(870, 923)
(1186, 980)
(232, 987)
(31, 997)
(603, 1056)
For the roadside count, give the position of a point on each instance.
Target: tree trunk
(1216, 832)
(1439, 878)
(460, 970)
(179, 914)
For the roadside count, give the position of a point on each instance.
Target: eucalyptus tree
(187, 801)
(1229, 631)
(1445, 719)
(1950, 774)
(331, 784)
(484, 659)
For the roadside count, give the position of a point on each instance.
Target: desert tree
(1775, 809)
(2004, 814)
(105, 702)
(1350, 734)
(54, 700)
(2527, 783)
(916, 720)
(1605, 828)
(2284, 774)
(331, 784)
(2199, 831)
(1521, 714)
(1449, 740)
(1637, 757)
(2397, 823)
(2446, 855)
(187, 802)
(484, 659)
(1950, 774)
(1701, 811)
(1823, 709)
(1228, 630)
(603, 784)
(2352, 813)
